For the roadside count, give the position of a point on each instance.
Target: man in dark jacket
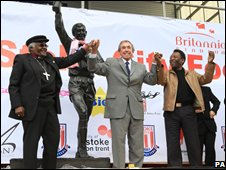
(206, 125)
(81, 86)
(34, 88)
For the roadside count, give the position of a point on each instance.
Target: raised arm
(209, 71)
(161, 74)
(63, 62)
(59, 26)
(151, 77)
(99, 57)
(94, 66)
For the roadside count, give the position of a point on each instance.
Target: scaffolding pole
(164, 8)
(82, 4)
(191, 5)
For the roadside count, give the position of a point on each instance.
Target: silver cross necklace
(45, 73)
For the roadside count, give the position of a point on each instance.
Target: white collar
(127, 61)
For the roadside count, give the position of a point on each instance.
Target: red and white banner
(149, 34)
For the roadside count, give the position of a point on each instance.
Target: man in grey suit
(124, 104)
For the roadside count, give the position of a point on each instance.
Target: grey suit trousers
(133, 128)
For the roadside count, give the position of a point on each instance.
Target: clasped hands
(92, 46)
(157, 58)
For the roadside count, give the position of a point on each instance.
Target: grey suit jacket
(121, 88)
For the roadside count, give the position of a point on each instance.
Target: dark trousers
(82, 95)
(83, 106)
(207, 139)
(185, 118)
(45, 125)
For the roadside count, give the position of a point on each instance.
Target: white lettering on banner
(149, 34)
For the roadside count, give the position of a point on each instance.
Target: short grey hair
(30, 46)
(119, 46)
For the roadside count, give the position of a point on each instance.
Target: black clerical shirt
(184, 92)
(48, 87)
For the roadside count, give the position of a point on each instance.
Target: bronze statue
(81, 86)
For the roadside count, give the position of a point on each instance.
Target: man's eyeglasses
(43, 45)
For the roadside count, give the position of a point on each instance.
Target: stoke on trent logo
(103, 130)
(63, 147)
(150, 146)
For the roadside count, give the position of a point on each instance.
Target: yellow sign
(99, 103)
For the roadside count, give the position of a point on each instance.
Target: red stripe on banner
(145, 141)
(62, 137)
(152, 138)
(139, 52)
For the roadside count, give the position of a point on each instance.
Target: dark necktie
(127, 68)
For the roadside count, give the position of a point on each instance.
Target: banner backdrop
(20, 21)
